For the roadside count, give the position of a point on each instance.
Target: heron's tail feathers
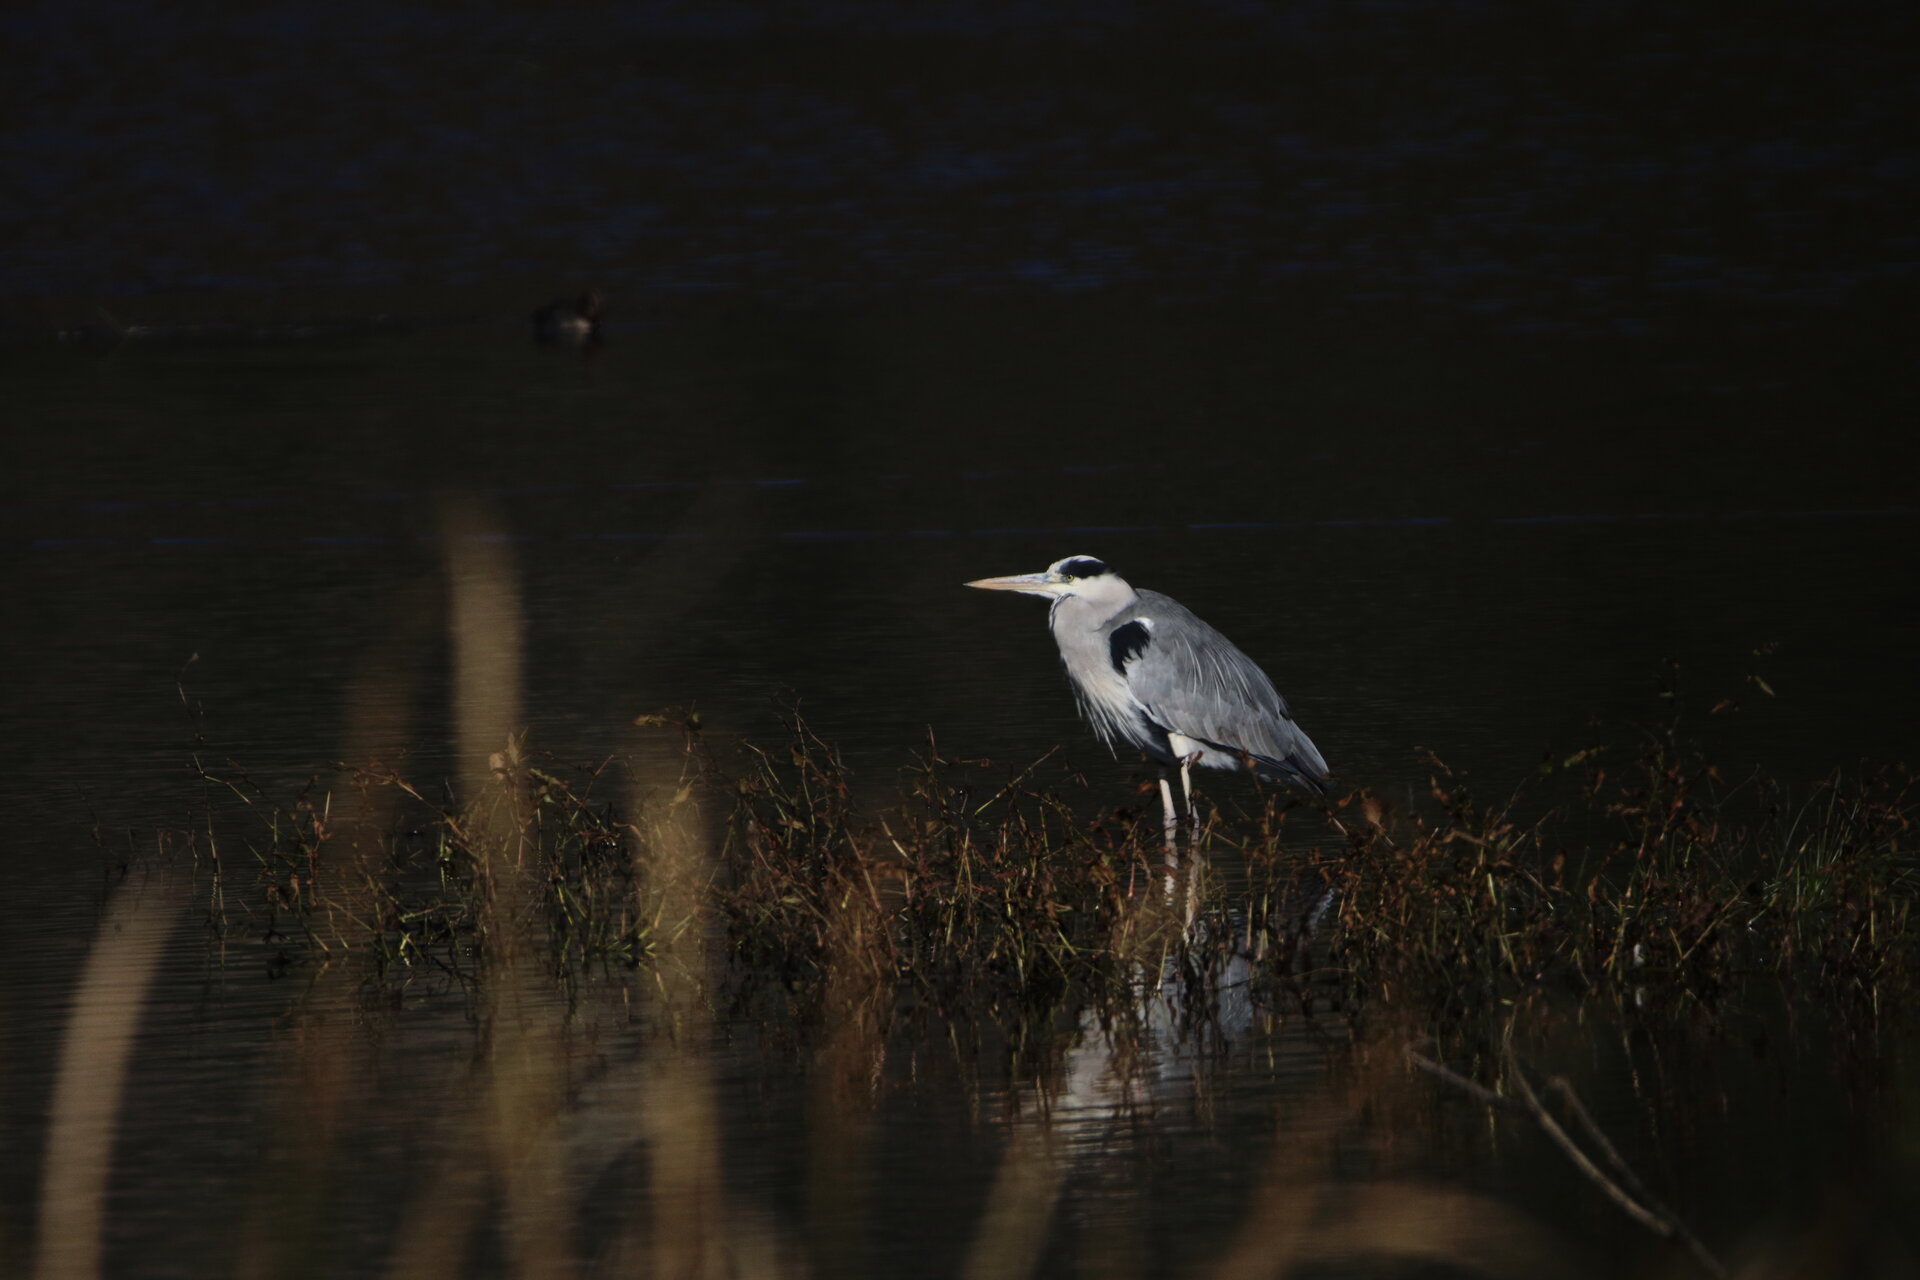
(1294, 771)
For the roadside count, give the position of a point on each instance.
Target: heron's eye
(1082, 567)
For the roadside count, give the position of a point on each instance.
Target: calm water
(1464, 366)
(1478, 551)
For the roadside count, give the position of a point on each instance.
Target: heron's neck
(1079, 613)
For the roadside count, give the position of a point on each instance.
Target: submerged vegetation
(967, 894)
(1657, 869)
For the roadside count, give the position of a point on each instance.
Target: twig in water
(1638, 1203)
(1473, 1088)
(1571, 1101)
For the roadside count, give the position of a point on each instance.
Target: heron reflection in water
(1148, 672)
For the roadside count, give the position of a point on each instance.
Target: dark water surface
(1465, 364)
(1474, 548)
(1470, 547)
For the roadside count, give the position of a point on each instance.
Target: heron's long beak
(1033, 584)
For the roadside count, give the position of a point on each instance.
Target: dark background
(1570, 168)
(1465, 363)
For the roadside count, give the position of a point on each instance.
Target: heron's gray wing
(1193, 681)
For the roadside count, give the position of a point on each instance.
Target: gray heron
(1148, 672)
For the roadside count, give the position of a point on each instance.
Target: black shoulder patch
(1083, 567)
(1128, 641)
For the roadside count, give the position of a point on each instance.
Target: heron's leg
(1169, 832)
(1186, 781)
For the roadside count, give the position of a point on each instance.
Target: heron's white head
(1082, 577)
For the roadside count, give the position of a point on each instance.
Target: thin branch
(1472, 1088)
(1638, 1203)
(1564, 1088)
(1581, 1161)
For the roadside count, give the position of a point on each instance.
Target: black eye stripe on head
(1082, 567)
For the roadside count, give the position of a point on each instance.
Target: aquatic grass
(425, 884)
(1657, 871)
(1001, 893)
(967, 900)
